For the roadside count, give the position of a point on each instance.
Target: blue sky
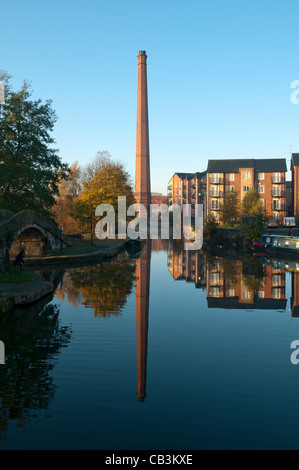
(219, 76)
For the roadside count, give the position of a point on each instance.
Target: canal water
(163, 349)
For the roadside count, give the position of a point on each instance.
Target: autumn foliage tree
(69, 190)
(106, 182)
(229, 212)
(253, 214)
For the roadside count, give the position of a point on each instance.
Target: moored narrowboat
(282, 245)
(265, 242)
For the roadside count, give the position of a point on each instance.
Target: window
(215, 191)
(180, 192)
(276, 204)
(215, 278)
(261, 176)
(246, 294)
(262, 202)
(176, 184)
(215, 178)
(261, 294)
(276, 280)
(231, 189)
(231, 177)
(276, 293)
(180, 184)
(215, 292)
(231, 292)
(246, 174)
(261, 188)
(276, 177)
(276, 190)
(214, 205)
(245, 188)
(276, 215)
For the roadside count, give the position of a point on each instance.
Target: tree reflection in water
(33, 339)
(102, 287)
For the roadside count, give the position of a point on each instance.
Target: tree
(254, 216)
(229, 211)
(251, 204)
(30, 168)
(104, 287)
(210, 229)
(69, 189)
(101, 159)
(109, 180)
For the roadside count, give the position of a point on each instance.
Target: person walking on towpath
(19, 261)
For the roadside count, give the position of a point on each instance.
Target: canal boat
(285, 245)
(265, 242)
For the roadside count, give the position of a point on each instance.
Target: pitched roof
(295, 159)
(233, 166)
(189, 176)
(270, 164)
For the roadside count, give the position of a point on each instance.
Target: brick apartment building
(267, 176)
(187, 188)
(158, 198)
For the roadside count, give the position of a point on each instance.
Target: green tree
(30, 168)
(254, 216)
(210, 229)
(229, 211)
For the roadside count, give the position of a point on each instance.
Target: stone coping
(28, 292)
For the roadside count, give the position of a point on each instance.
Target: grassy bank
(15, 277)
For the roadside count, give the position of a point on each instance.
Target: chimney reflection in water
(142, 287)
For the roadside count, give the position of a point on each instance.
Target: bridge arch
(30, 231)
(32, 239)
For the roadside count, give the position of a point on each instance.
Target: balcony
(281, 181)
(277, 208)
(280, 194)
(218, 194)
(215, 180)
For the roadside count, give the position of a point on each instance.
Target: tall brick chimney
(142, 169)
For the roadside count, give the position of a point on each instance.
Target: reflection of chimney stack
(142, 307)
(142, 169)
(295, 294)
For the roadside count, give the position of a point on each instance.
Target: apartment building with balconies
(267, 176)
(187, 188)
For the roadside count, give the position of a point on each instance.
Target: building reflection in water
(241, 282)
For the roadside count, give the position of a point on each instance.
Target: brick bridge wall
(11, 228)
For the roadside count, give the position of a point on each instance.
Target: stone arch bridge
(29, 231)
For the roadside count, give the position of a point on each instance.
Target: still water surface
(171, 350)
